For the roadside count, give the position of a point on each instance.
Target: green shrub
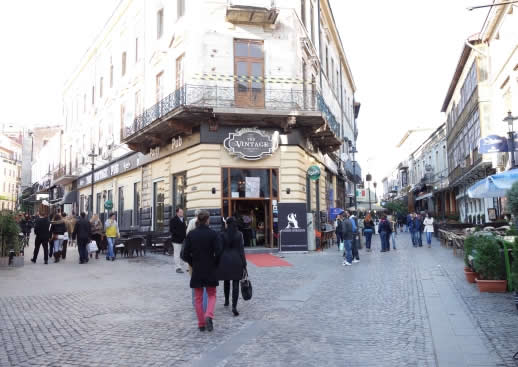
(512, 232)
(469, 245)
(9, 231)
(488, 260)
(514, 266)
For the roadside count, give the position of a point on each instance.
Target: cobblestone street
(410, 307)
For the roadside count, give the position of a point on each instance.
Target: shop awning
(493, 186)
(425, 196)
(69, 198)
(365, 206)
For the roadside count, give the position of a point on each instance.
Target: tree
(396, 207)
(512, 199)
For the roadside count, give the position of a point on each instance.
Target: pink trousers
(198, 304)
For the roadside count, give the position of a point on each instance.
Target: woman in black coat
(201, 253)
(232, 262)
(58, 229)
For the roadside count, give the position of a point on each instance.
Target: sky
(402, 54)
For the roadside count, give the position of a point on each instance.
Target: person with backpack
(384, 231)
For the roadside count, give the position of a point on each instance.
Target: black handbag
(246, 286)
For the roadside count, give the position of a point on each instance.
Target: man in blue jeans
(347, 235)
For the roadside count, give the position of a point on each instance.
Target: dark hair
(64, 214)
(112, 215)
(231, 229)
(83, 214)
(203, 217)
(56, 217)
(178, 208)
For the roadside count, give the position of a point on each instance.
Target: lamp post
(368, 178)
(353, 151)
(92, 155)
(375, 184)
(510, 123)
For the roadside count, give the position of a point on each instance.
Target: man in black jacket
(83, 233)
(41, 230)
(177, 227)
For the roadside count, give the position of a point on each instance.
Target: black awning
(70, 197)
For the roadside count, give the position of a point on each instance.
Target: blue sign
(492, 144)
(334, 212)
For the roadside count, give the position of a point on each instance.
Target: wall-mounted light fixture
(288, 190)
(213, 190)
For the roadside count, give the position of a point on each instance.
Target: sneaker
(34, 261)
(179, 271)
(356, 261)
(202, 328)
(346, 263)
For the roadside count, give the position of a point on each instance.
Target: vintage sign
(250, 144)
(314, 172)
(293, 227)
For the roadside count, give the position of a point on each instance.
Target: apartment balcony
(353, 171)
(259, 12)
(63, 176)
(183, 110)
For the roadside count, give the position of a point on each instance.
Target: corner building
(218, 105)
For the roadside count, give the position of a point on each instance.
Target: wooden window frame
(179, 71)
(180, 9)
(250, 61)
(159, 23)
(123, 64)
(159, 81)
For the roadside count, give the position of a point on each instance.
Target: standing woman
(428, 228)
(112, 232)
(368, 231)
(232, 262)
(58, 229)
(96, 228)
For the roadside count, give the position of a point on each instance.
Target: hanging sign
(108, 205)
(314, 172)
(250, 144)
(293, 227)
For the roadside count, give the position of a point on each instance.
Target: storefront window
(329, 190)
(179, 190)
(224, 175)
(340, 193)
(98, 203)
(158, 206)
(250, 183)
(275, 183)
(120, 208)
(136, 203)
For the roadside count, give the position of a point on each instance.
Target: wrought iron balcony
(174, 114)
(63, 176)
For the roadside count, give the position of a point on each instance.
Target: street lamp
(375, 191)
(510, 123)
(92, 155)
(353, 151)
(368, 178)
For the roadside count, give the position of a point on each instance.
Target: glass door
(158, 206)
(249, 69)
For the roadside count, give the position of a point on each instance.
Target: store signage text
(314, 172)
(250, 144)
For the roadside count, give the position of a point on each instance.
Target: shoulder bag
(246, 286)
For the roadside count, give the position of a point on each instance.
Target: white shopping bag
(92, 247)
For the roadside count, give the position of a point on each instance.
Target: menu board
(253, 187)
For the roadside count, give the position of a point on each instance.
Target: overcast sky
(402, 54)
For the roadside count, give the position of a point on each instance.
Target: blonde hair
(94, 218)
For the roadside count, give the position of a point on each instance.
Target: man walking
(201, 252)
(41, 230)
(347, 235)
(83, 233)
(177, 227)
(355, 241)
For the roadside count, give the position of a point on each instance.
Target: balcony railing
(63, 175)
(207, 96)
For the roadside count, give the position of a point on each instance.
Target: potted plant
(489, 263)
(9, 241)
(469, 245)
(512, 200)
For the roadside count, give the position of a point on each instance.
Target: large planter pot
(470, 276)
(467, 268)
(492, 286)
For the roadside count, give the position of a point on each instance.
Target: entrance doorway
(249, 195)
(254, 218)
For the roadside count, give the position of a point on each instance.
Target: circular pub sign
(314, 172)
(108, 205)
